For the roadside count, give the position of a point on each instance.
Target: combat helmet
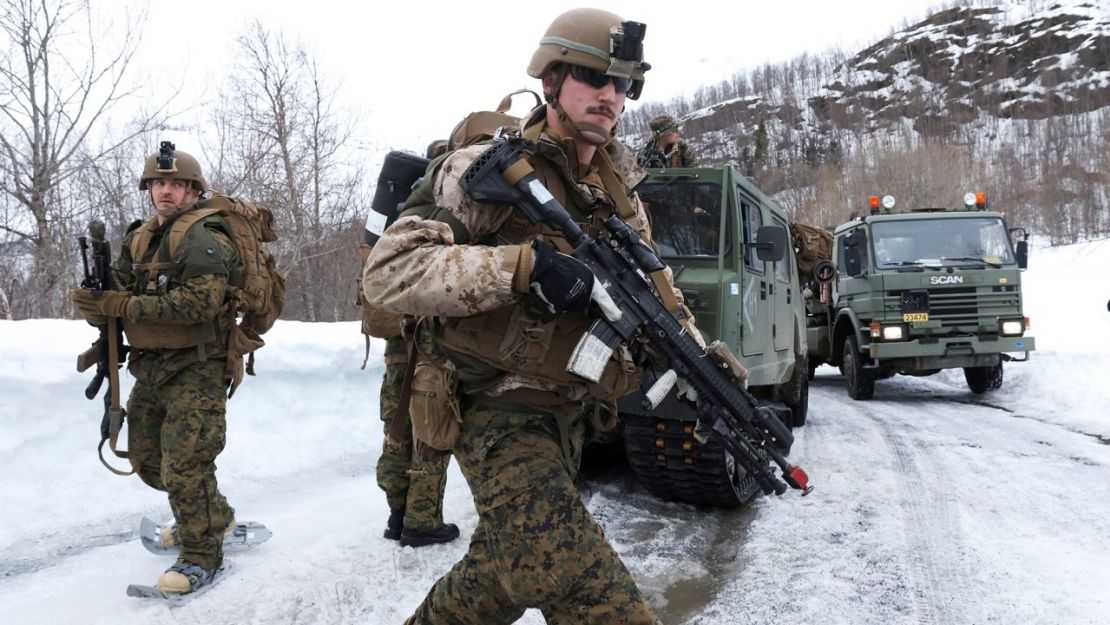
(662, 124)
(595, 39)
(168, 162)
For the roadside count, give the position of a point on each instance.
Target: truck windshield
(922, 241)
(685, 216)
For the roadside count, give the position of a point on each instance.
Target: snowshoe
(181, 583)
(162, 540)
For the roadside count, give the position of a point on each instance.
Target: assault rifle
(108, 352)
(651, 157)
(631, 311)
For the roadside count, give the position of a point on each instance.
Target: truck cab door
(784, 295)
(757, 285)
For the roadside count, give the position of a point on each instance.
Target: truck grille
(961, 307)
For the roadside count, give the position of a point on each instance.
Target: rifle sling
(115, 412)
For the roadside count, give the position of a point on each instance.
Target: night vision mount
(166, 160)
(626, 43)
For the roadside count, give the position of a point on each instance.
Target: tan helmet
(595, 39)
(662, 124)
(168, 162)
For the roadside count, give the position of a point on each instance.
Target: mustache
(602, 110)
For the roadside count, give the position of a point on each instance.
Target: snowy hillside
(1011, 97)
(931, 504)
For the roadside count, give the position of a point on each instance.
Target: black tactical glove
(563, 282)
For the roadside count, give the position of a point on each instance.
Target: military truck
(727, 244)
(917, 291)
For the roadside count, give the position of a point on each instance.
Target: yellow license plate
(911, 317)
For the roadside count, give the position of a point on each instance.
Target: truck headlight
(1012, 327)
(894, 333)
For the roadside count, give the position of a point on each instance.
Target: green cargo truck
(918, 291)
(728, 246)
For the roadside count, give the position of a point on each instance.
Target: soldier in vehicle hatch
(501, 297)
(665, 149)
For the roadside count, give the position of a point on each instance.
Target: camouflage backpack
(261, 296)
(812, 244)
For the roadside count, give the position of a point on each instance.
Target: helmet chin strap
(582, 131)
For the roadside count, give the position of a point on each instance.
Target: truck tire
(671, 465)
(861, 382)
(796, 396)
(983, 379)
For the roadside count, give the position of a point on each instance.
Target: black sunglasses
(598, 79)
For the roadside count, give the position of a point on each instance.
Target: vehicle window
(941, 241)
(753, 220)
(685, 217)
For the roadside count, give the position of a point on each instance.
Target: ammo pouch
(517, 340)
(433, 406)
(168, 335)
(240, 341)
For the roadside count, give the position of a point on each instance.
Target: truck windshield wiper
(972, 259)
(902, 263)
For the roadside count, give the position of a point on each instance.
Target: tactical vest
(525, 339)
(156, 273)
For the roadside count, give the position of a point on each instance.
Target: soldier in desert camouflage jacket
(176, 316)
(507, 305)
(665, 149)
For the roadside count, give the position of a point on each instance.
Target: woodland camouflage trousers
(176, 428)
(536, 545)
(412, 476)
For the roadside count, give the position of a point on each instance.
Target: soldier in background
(665, 149)
(177, 318)
(412, 476)
(507, 305)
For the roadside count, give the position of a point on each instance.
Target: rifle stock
(621, 263)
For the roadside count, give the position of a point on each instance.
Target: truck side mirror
(854, 253)
(1022, 254)
(770, 243)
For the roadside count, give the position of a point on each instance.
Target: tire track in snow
(935, 552)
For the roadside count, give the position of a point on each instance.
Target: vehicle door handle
(762, 290)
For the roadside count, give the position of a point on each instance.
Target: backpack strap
(613, 184)
(182, 224)
(140, 244)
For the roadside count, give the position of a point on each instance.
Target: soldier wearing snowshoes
(177, 318)
(514, 303)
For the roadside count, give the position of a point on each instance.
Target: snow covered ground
(932, 505)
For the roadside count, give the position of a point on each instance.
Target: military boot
(395, 523)
(168, 533)
(420, 538)
(184, 577)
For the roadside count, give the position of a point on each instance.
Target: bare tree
(280, 140)
(59, 78)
